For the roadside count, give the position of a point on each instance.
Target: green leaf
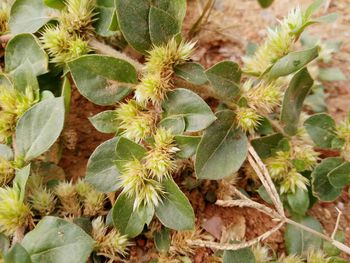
(241, 255)
(102, 79)
(101, 171)
(162, 240)
(24, 77)
(133, 18)
(317, 100)
(299, 201)
(225, 77)
(321, 187)
(127, 220)
(55, 240)
(187, 145)
(4, 244)
(265, 146)
(38, 129)
(298, 241)
(58, 4)
(5, 81)
(6, 152)
(330, 249)
(162, 26)
(105, 121)
(265, 3)
(17, 254)
(187, 104)
(294, 97)
(21, 179)
(25, 47)
(127, 150)
(331, 74)
(175, 211)
(175, 8)
(264, 195)
(321, 129)
(28, 16)
(105, 18)
(175, 124)
(313, 7)
(340, 176)
(293, 62)
(222, 149)
(192, 72)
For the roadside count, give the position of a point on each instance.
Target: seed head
(247, 119)
(306, 154)
(6, 171)
(261, 253)
(264, 97)
(160, 160)
(137, 184)
(78, 17)
(13, 212)
(62, 46)
(109, 243)
(135, 121)
(317, 256)
(93, 203)
(279, 165)
(278, 44)
(43, 201)
(292, 181)
(68, 198)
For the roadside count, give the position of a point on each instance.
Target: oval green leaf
(101, 171)
(56, 240)
(293, 100)
(222, 149)
(105, 121)
(187, 104)
(340, 176)
(175, 211)
(102, 79)
(39, 128)
(192, 72)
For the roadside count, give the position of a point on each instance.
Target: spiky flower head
(137, 184)
(264, 97)
(14, 213)
(110, 244)
(82, 188)
(43, 201)
(279, 165)
(153, 88)
(261, 253)
(160, 160)
(247, 119)
(317, 256)
(292, 181)
(93, 203)
(6, 171)
(291, 259)
(278, 43)
(179, 241)
(343, 133)
(68, 198)
(4, 18)
(13, 104)
(78, 17)
(62, 46)
(162, 58)
(136, 122)
(306, 156)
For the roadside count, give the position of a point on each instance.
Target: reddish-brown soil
(231, 26)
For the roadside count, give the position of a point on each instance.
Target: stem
(18, 236)
(203, 18)
(107, 50)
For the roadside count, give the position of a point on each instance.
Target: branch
(107, 50)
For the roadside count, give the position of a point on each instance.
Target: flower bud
(247, 119)
(292, 181)
(43, 201)
(6, 171)
(68, 198)
(14, 213)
